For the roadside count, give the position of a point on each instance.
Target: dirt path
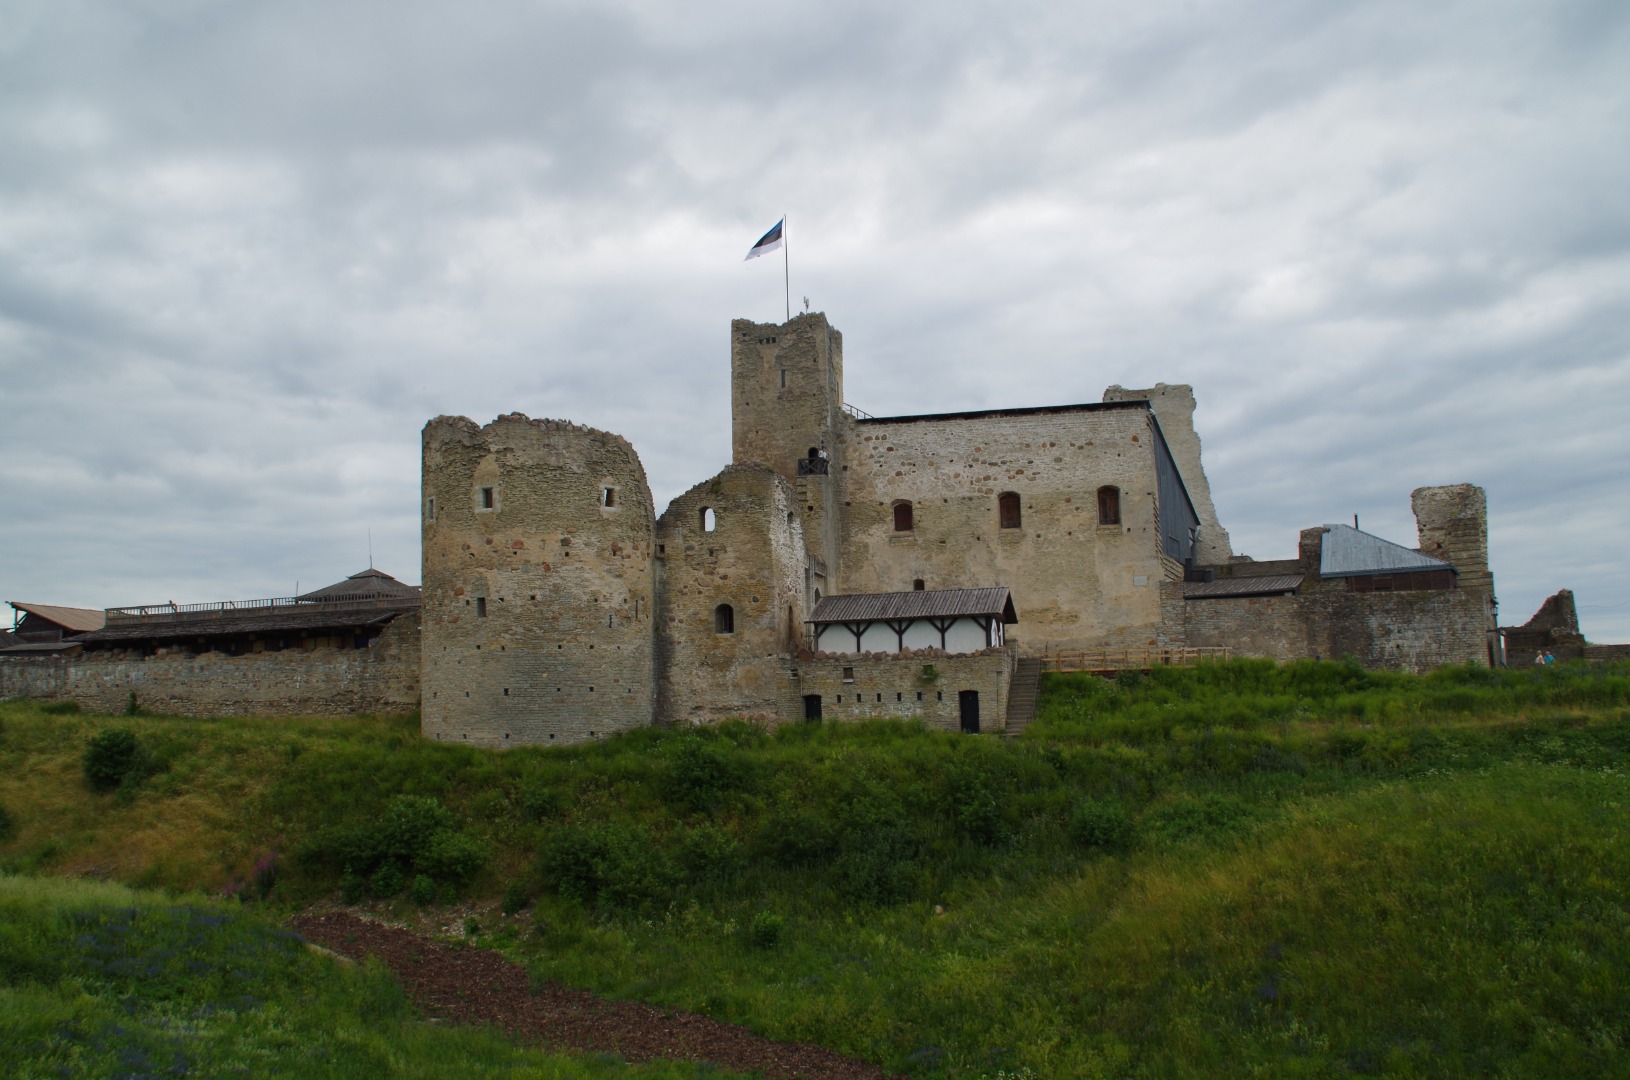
(478, 986)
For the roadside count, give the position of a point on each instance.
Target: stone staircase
(1021, 695)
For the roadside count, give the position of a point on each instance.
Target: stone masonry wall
(895, 685)
(1174, 407)
(538, 610)
(752, 560)
(1075, 582)
(323, 681)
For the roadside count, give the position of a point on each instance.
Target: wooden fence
(1131, 658)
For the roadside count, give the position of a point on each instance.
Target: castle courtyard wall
(317, 681)
(923, 685)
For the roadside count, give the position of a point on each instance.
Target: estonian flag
(768, 242)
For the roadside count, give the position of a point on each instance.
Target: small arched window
(724, 619)
(917, 585)
(709, 519)
(902, 517)
(1007, 505)
(1109, 505)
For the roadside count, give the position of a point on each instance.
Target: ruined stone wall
(1174, 407)
(538, 609)
(753, 561)
(924, 685)
(1452, 523)
(1406, 631)
(1075, 582)
(322, 681)
(1553, 628)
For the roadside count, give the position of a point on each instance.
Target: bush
(704, 773)
(423, 890)
(8, 827)
(1213, 817)
(516, 897)
(1101, 824)
(541, 803)
(353, 887)
(386, 882)
(60, 708)
(453, 857)
(764, 932)
(112, 758)
(614, 865)
(709, 854)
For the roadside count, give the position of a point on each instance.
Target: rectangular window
(848, 674)
(608, 497)
(481, 607)
(486, 498)
(430, 508)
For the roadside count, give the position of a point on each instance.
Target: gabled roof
(1347, 552)
(920, 604)
(369, 584)
(284, 619)
(77, 620)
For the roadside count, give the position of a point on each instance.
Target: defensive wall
(319, 680)
(924, 685)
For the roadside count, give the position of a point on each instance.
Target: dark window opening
(1109, 505)
(724, 619)
(486, 498)
(902, 517)
(848, 674)
(608, 497)
(481, 607)
(430, 508)
(812, 706)
(1007, 504)
(917, 585)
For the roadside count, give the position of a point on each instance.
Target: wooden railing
(1131, 658)
(282, 605)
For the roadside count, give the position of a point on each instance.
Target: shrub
(516, 897)
(876, 847)
(386, 882)
(352, 888)
(604, 863)
(60, 708)
(709, 854)
(704, 772)
(8, 827)
(974, 805)
(1213, 817)
(1102, 824)
(113, 757)
(423, 890)
(453, 857)
(764, 932)
(540, 803)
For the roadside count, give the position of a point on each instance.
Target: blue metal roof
(1348, 552)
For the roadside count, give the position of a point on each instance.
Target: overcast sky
(248, 249)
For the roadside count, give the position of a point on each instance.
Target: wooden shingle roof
(75, 620)
(921, 604)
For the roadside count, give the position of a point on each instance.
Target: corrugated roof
(1266, 585)
(1347, 552)
(77, 619)
(920, 604)
(368, 584)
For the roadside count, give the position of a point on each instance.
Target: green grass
(1238, 869)
(99, 980)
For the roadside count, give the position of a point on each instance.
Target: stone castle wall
(752, 562)
(538, 608)
(1074, 581)
(924, 685)
(1174, 407)
(319, 681)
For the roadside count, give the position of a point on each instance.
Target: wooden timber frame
(1130, 658)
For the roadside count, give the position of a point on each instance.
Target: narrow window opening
(608, 497)
(486, 498)
(783, 378)
(709, 519)
(917, 585)
(1007, 505)
(1109, 505)
(848, 674)
(430, 508)
(902, 517)
(724, 619)
(481, 607)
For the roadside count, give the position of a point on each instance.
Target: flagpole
(786, 265)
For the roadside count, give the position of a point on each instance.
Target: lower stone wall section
(920, 685)
(321, 682)
(1406, 631)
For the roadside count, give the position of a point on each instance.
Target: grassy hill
(1235, 870)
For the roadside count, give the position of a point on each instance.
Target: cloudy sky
(247, 249)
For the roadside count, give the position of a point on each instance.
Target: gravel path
(477, 986)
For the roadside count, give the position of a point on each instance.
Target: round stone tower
(538, 595)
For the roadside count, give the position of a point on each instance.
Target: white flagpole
(786, 266)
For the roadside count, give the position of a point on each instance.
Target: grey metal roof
(921, 604)
(1347, 552)
(1266, 585)
(42, 648)
(309, 617)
